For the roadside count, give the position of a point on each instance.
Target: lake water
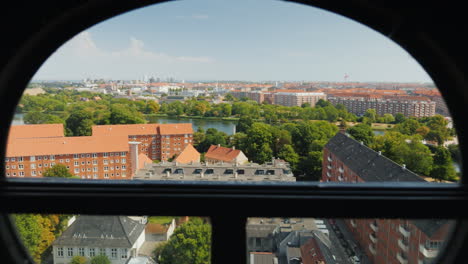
(17, 119)
(228, 127)
(379, 132)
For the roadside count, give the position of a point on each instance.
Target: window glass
(309, 96)
(132, 239)
(312, 240)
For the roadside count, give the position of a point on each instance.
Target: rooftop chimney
(219, 145)
(380, 153)
(404, 166)
(234, 147)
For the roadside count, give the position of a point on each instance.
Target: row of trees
(38, 231)
(299, 143)
(403, 144)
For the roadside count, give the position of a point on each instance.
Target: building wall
(359, 105)
(139, 242)
(297, 99)
(106, 165)
(121, 254)
(388, 240)
(162, 147)
(241, 158)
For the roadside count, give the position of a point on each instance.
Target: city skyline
(220, 40)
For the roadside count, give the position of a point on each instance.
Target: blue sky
(252, 40)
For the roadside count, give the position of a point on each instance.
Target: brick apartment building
(158, 141)
(282, 97)
(398, 241)
(112, 152)
(297, 99)
(407, 105)
(256, 96)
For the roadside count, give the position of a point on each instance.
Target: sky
(249, 40)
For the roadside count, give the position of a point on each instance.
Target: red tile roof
(143, 160)
(172, 129)
(222, 153)
(189, 154)
(65, 145)
(154, 228)
(143, 129)
(125, 130)
(37, 131)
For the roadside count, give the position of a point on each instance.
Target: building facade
(408, 106)
(112, 152)
(117, 237)
(218, 154)
(297, 99)
(277, 170)
(398, 241)
(158, 141)
(85, 157)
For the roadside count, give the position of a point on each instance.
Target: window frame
(396, 200)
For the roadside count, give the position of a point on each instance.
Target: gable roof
(222, 153)
(368, 164)
(143, 129)
(125, 130)
(189, 154)
(143, 160)
(36, 131)
(174, 129)
(65, 145)
(101, 231)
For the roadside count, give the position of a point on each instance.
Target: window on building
(92, 252)
(60, 252)
(123, 253)
(70, 252)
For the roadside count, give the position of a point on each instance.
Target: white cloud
(82, 56)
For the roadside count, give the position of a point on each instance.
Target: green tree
(79, 260)
(399, 118)
(101, 259)
(79, 123)
(362, 132)
(408, 127)
(244, 123)
(258, 143)
(371, 114)
(310, 167)
(123, 114)
(190, 244)
(229, 97)
(288, 154)
(388, 118)
(29, 229)
(58, 170)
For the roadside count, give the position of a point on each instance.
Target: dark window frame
(29, 46)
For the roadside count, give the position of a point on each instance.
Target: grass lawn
(378, 126)
(161, 219)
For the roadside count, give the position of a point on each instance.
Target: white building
(118, 237)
